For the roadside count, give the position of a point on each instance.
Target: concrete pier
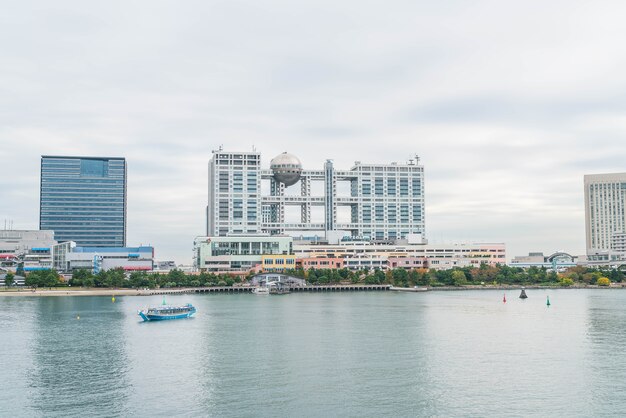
(234, 289)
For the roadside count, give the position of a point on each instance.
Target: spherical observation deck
(286, 169)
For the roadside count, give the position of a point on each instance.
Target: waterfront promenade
(217, 289)
(248, 289)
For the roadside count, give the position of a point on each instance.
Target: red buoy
(504, 298)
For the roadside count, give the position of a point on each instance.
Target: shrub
(603, 281)
(566, 281)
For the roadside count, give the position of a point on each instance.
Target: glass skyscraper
(83, 199)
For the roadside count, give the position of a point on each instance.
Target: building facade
(557, 261)
(30, 248)
(237, 253)
(383, 201)
(83, 199)
(605, 201)
(358, 255)
(68, 258)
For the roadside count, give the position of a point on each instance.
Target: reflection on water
(16, 334)
(607, 333)
(79, 365)
(368, 354)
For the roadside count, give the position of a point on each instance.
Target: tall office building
(605, 200)
(83, 199)
(383, 201)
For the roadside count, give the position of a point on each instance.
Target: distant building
(382, 201)
(605, 211)
(383, 255)
(317, 263)
(557, 261)
(31, 248)
(69, 257)
(238, 253)
(83, 199)
(277, 263)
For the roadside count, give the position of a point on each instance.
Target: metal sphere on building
(286, 169)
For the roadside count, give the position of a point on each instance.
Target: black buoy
(523, 294)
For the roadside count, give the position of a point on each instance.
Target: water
(318, 355)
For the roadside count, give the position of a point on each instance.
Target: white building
(237, 253)
(30, 247)
(67, 258)
(557, 261)
(605, 203)
(379, 201)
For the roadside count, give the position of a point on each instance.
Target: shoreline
(187, 290)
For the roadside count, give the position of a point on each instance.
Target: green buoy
(548, 301)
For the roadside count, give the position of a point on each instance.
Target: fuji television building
(377, 202)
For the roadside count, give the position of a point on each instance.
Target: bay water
(455, 353)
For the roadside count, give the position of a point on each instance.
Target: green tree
(33, 279)
(9, 279)
(116, 278)
(458, 278)
(50, 278)
(79, 277)
(400, 277)
(101, 279)
(139, 279)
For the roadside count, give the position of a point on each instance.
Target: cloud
(508, 108)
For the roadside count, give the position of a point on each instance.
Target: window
(93, 168)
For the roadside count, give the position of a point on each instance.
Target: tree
(458, 278)
(9, 279)
(116, 278)
(565, 281)
(50, 278)
(139, 279)
(79, 277)
(400, 277)
(32, 279)
(603, 281)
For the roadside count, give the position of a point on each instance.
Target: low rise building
(31, 248)
(68, 257)
(438, 256)
(317, 263)
(366, 262)
(557, 261)
(238, 252)
(277, 263)
(408, 263)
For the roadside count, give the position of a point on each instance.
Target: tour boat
(261, 291)
(167, 312)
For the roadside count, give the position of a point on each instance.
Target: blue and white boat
(167, 312)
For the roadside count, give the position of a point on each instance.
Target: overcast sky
(508, 104)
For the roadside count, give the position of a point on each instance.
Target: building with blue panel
(83, 199)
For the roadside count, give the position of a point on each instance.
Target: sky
(507, 103)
